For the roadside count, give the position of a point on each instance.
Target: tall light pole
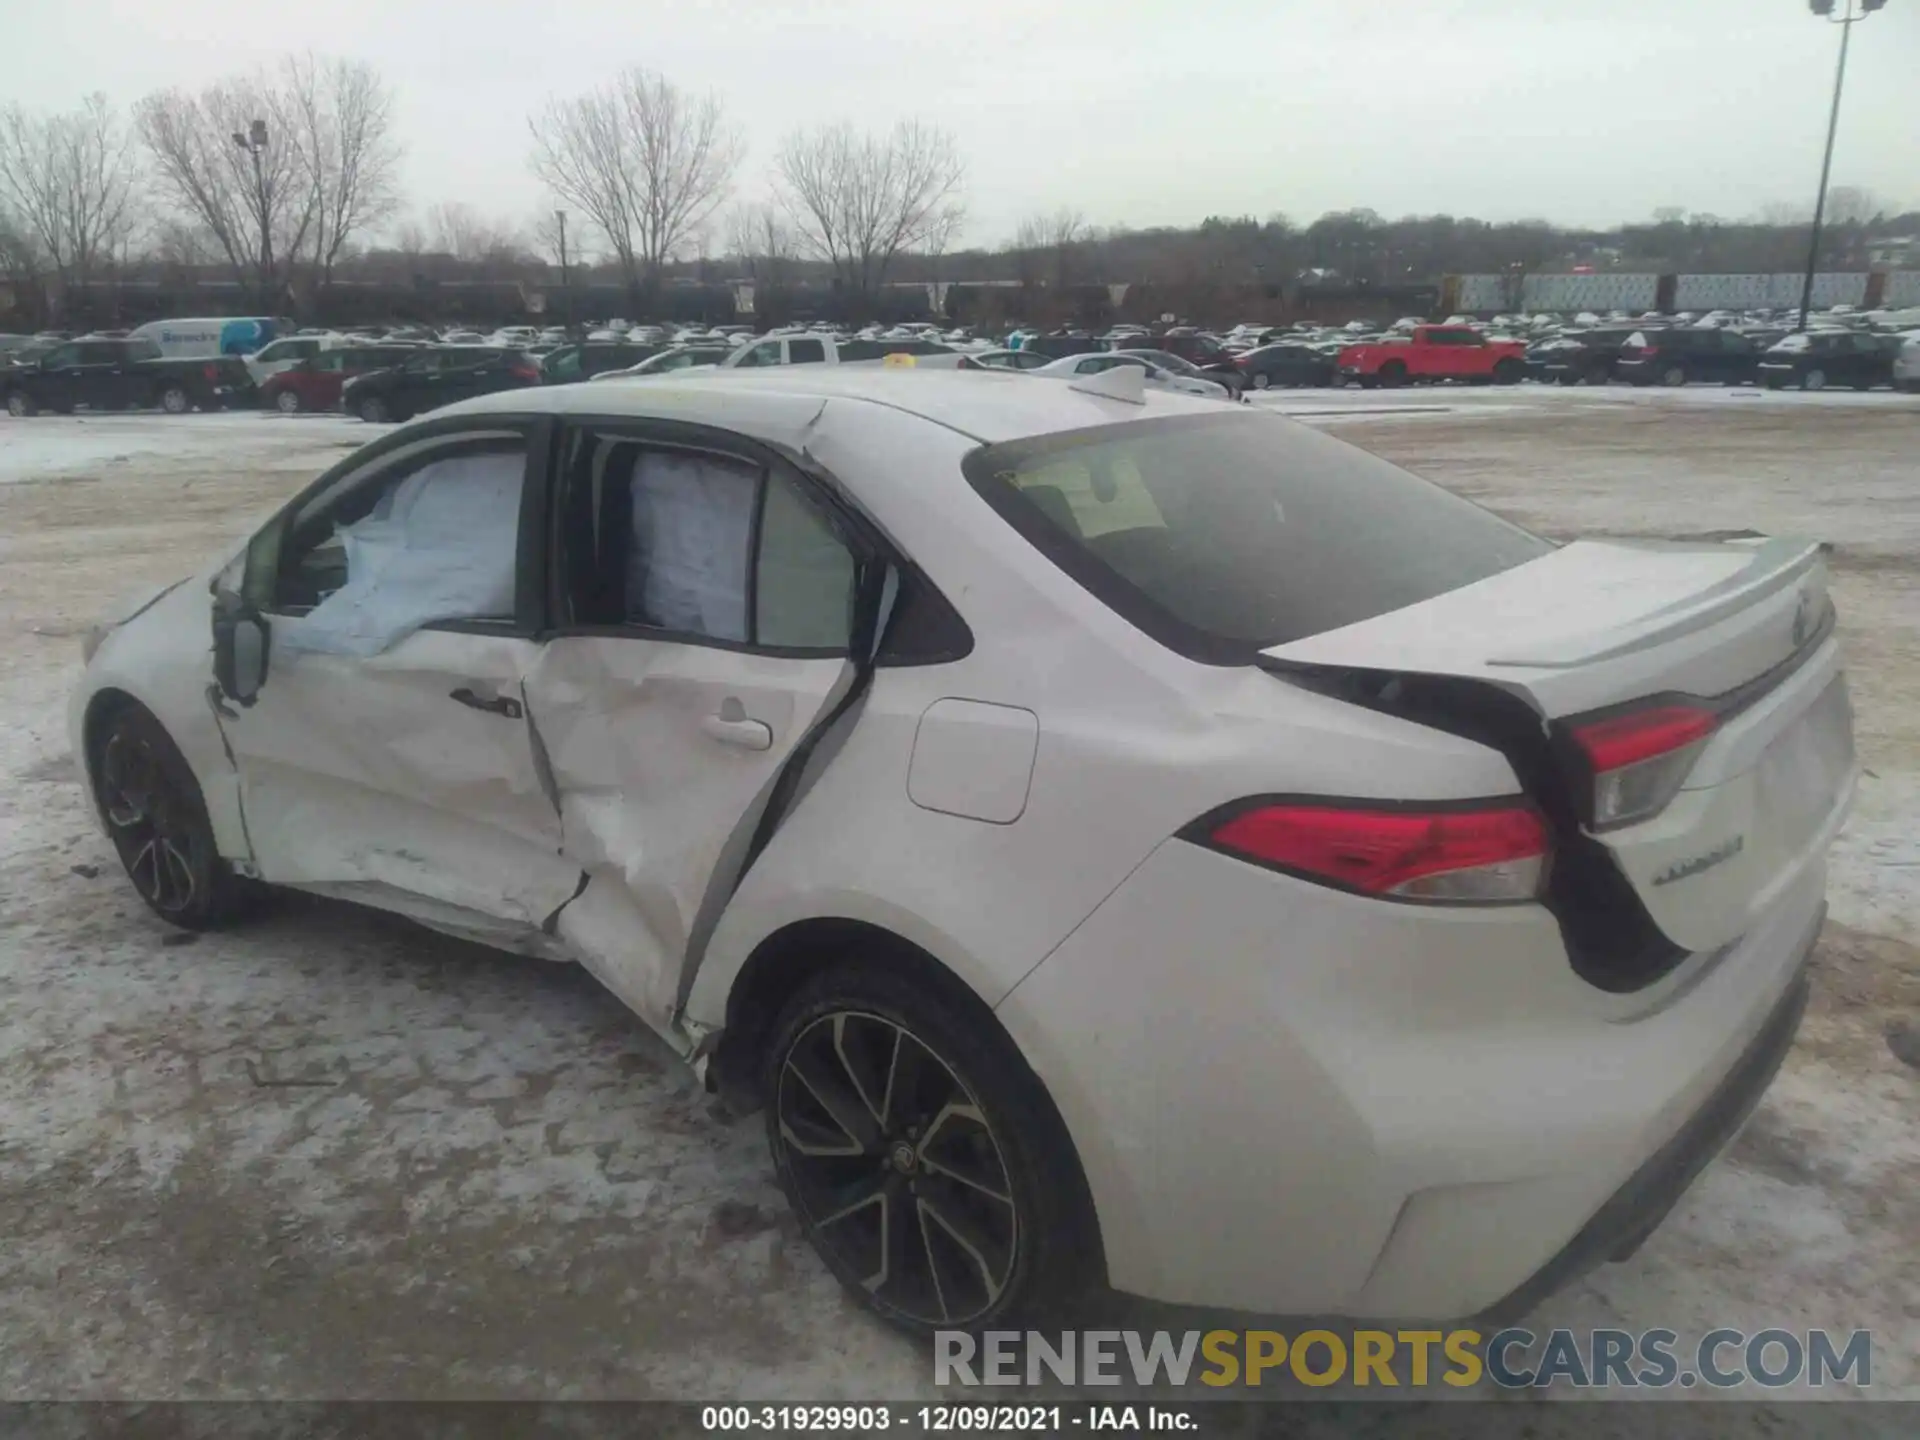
(566, 291)
(254, 142)
(1852, 12)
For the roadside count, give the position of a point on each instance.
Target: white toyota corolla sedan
(1119, 838)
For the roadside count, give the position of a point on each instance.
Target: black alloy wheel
(157, 821)
(925, 1160)
(896, 1170)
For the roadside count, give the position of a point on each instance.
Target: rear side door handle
(729, 729)
(504, 705)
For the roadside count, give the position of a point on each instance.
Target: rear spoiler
(1776, 564)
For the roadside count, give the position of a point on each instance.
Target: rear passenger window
(806, 352)
(803, 598)
(664, 540)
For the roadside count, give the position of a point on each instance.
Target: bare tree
(1051, 238)
(253, 199)
(1853, 205)
(19, 255)
(68, 181)
(461, 231)
(857, 200)
(758, 235)
(341, 115)
(645, 162)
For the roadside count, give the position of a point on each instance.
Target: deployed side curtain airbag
(439, 546)
(692, 523)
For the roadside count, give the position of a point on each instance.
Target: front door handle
(500, 705)
(747, 734)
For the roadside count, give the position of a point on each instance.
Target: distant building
(1894, 252)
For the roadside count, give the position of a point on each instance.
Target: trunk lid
(1742, 629)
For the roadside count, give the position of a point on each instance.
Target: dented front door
(387, 755)
(406, 779)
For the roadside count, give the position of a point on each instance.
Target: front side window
(765, 353)
(430, 539)
(1222, 535)
(564, 364)
(806, 352)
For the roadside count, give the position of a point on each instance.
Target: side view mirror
(240, 638)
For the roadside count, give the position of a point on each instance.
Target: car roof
(778, 404)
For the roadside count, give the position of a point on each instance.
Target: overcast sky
(1136, 112)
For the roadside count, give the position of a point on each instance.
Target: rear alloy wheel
(1674, 376)
(1509, 372)
(19, 405)
(287, 402)
(1261, 380)
(925, 1163)
(1815, 379)
(174, 400)
(1393, 374)
(373, 410)
(158, 823)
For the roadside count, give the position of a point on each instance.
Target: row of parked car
(395, 374)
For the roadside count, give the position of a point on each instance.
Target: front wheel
(1674, 376)
(287, 402)
(158, 823)
(1393, 374)
(926, 1163)
(1509, 372)
(175, 401)
(373, 410)
(1261, 380)
(1814, 380)
(20, 405)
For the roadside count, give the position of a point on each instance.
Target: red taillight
(212, 372)
(524, 372)
(1639, 759)
(1483, 856)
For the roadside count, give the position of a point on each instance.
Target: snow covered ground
(331, 1155)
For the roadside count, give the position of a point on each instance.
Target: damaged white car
(1121, 839)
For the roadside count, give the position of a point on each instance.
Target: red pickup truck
(1435, 352)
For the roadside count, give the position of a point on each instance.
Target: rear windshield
(1220, 535)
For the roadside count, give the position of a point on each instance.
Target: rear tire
(1393, 374)
(1261, 380)
(174, 400)
(959, 1137)
(1814, 379)
(21, 406)
(1509, 372)
(287, 402)
(1674, 376)
(157, 820)
(373, 410)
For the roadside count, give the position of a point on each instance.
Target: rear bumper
(1635, 1211)
(1290, 1101)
